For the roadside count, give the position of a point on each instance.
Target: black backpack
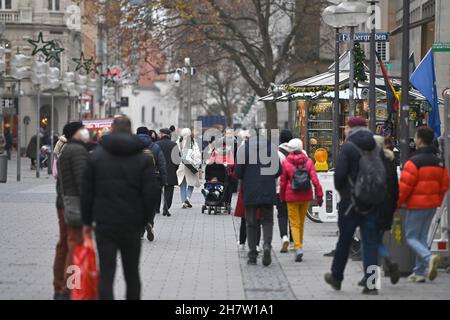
(301, 180)
(369, 188)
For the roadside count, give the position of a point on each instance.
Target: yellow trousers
(297, 214)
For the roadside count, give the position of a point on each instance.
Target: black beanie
(142, 130)
(285, 136)
(71, 128)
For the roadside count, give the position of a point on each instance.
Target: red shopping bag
(84, 258)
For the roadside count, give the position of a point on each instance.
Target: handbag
(84, 258)
(72, 206)
(190, 160)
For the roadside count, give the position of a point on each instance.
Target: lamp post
(19, 71)
(372, 67)
(349, 13)
(190, 72)
(404, 112)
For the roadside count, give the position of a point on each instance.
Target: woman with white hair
(188, 171)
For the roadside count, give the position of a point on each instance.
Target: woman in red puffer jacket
(298, 201)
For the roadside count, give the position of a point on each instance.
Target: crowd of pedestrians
(115, 188)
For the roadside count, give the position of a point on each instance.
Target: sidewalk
(194, 256)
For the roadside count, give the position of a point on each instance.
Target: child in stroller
(215, 188)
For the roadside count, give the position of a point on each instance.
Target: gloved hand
(320, 201)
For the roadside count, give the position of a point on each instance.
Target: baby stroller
(216, 189)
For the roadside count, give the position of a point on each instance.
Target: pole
(372, 93)
(352, 73)
(404, 112)
(38, 131)
(52, 132)
(19, 134)
(189, 111)
(336, 110)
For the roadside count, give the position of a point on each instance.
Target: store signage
(7, 106)
(93, 124)
(441, 47)
(364, 37)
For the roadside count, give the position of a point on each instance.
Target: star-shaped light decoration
(39, 45)
(53, 51)
(88, 65)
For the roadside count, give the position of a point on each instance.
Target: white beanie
(295, 145)
(186, 132)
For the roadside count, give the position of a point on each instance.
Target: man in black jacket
(119, 195)
(258, 165)
(172, 156)
(347, 167)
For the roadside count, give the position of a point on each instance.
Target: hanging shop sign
(441, 47)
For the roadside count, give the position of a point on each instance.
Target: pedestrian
(283, 220)
(299, 169)
(387, 208)
(119, 196)
(72, 161)
(8, 141)
(423, 184)
(188, 172)
(352, 212)
(153, 135)
(258, 166)
(161, 174)
(172, 156)
(31, 149)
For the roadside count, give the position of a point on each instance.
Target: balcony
(21, 16)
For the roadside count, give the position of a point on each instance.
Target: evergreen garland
(360, 57)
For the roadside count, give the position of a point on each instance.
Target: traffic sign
(441, 47)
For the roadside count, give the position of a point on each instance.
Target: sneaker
(433, 266)
(330, 254)
(150, 234)
(188, 203)
(258, 248)
(241, 247)
(184, 206)
(299, 257)
(335, 284)
(285, 245)
(416, 278)
(252, 261)
(267, 259)
(394, 273)
(369, 292)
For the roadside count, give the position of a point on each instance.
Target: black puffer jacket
(71, 166)
(172, 156)
(120, 186)
(389, 206)
(347, 164)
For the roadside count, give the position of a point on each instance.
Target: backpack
(301, 181)
(283, 151)
(369, 188)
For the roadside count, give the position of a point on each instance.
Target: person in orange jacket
(423, 184)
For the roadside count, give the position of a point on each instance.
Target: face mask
(84, 135)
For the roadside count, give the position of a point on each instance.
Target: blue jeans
(369, 239)
(417, 226)
(185, 191)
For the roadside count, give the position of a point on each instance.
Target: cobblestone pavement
(194, 256)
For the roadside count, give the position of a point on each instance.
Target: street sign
(441, 47)
(365, 37)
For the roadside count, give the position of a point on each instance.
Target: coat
(32, 145)
(120, 189)
(347, 163)
(287, 194)
(159, 157)
(424, 181)
(258, 174)
(192, 179)
(71, 166)
(389, 206)
(172, 156)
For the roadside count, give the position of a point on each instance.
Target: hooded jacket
(424, 181)
(120, 187)
(287, 194)
(158, 155)
(347, 163)
(172, 156)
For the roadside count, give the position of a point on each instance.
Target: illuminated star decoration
(39, 45)
(52, 52)
(83, 63)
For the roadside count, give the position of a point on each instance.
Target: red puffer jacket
(424, 181)
(293, 161)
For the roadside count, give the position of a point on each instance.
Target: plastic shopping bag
(85, 260)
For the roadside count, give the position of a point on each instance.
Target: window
(143, 115)
(153, 115)
(53, 5)
(7, 45)
(5, 4)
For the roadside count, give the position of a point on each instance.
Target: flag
(424, 80)
(393, 97)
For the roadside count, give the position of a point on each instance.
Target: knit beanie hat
(142, 130)
(71, 128)
(295, 145)
(357, 122)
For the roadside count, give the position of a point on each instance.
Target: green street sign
(441, 47)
